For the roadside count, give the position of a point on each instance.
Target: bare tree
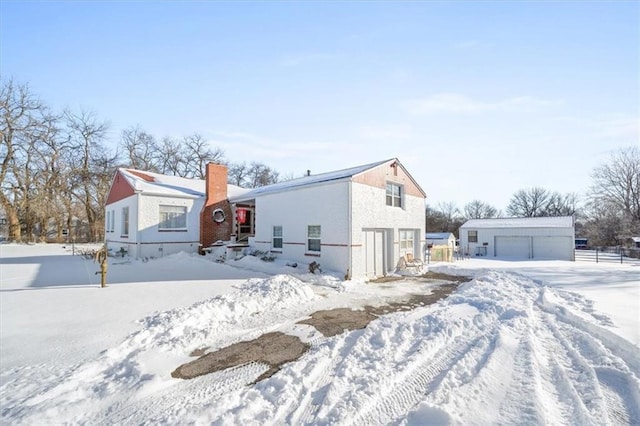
(444, 218)
(617, 183)
(141, 148)
(196, 153)
(170, 161)
(477, 209)
(252, 175)
(562, 204)
(261, 175)
(92, 167)
(24, 119)
(528, 202)
(238, 173)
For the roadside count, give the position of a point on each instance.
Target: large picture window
(313, 238)
(472, 236)
(277, 237)
(125, 221)
(173, 217)
(394, 195)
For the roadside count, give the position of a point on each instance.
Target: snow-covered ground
(523, 343)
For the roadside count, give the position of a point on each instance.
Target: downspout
(138, 234)
(350, 238)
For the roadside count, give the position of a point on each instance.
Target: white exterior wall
(488, 235)
(369, 211)
(145, 240)
(326, 205)
(116, 240)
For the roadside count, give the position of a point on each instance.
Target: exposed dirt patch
(273, 349)
(335, 321)
(276, 349)
(446, 277)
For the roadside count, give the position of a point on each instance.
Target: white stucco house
(358, 221)
(151, 215)
(520, 238)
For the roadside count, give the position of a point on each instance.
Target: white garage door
(513, 247)
(374, 252)
(556, 248)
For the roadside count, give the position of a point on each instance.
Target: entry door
(374, 252)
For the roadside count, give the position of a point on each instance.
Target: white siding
(541, 242)
(369, 211)
(326, 205)
(144, 239)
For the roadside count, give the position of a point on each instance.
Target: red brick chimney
(219, 227)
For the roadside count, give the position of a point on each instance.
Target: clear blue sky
(477, 99)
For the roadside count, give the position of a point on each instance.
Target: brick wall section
(215, 198)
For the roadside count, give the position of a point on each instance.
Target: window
(107, 222)
(112, 226)
(394, 195)
(277, 237)
(406, 241)
(472, 236)
(313, 238)
(125, 221)
(173, 217)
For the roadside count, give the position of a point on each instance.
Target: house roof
(521, 222)
(159, 184)
(308, 180)
(438, 235)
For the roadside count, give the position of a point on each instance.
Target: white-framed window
(113, 221)
(277, 237)
(313, 238)
(394, 194)
(172, 217)
(107, 222)
(472, 236)
(406, 240)
(125, 221)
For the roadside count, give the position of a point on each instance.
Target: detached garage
(539, 238)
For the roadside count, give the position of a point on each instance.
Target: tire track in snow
(174, 402)
(597, 380)
(421, 377)
(618, 393)
(308, 407)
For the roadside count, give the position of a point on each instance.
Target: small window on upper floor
(394, 195)
(472, 236)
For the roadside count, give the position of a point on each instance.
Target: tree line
(608, 215)
(56, 169)
(56, 166)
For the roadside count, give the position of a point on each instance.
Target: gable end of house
(120, 189)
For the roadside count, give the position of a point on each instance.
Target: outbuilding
(441, 239)
(549, 238)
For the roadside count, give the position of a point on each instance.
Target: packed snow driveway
(502, 349)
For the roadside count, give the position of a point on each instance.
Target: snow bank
(144, 360)
(500, 351)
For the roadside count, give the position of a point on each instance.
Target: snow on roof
(308, 180)
(521, 222)
(438, 235)
(156, 183)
